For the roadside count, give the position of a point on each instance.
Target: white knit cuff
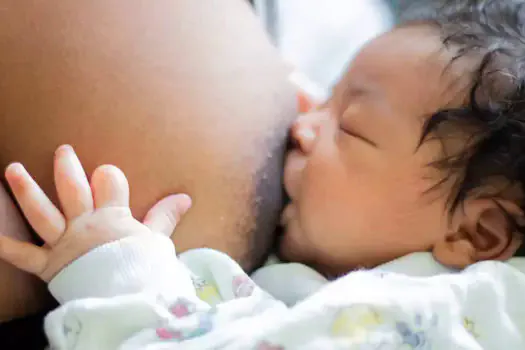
(134, 264)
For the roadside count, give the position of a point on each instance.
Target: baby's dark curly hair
(493, 33)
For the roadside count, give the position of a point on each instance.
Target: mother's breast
(181, 96)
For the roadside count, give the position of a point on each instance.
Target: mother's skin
(184, 96)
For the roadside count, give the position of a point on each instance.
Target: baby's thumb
(164, 216)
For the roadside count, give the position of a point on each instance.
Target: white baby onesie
(136, 294)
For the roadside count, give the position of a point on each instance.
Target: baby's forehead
(410, 68)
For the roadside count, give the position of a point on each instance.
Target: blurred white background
(319, 37)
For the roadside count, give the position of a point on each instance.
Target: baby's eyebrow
(356, 91)
(348, 94)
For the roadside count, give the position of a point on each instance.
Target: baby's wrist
(130, 265)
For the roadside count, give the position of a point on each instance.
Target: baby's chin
(291, 246)
(294, 248)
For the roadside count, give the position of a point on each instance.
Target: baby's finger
(165, 215)
(110, 187)
(41, 213)
(23, 255)
(71, 183)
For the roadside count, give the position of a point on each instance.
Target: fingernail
(65, 148)
(185, 202)
(15, 168)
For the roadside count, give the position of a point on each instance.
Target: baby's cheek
(327, 202)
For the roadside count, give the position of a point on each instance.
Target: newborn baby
(420, 149)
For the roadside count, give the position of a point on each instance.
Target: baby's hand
(91, 215)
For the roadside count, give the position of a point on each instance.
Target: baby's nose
(305, 131)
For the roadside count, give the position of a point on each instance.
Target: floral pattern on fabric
(373, 331)
(182, 308)
(207, 292)
(355, 322)
(415, 336)
(242, 286)
(470, 326)
(203, 325)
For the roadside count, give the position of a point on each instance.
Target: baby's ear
(485, 229)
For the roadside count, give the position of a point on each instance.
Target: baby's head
(420, 148)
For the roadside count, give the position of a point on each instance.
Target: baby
(420, 149)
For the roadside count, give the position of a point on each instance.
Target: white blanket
(136, 294)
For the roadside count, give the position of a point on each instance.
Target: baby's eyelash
(356, 135)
